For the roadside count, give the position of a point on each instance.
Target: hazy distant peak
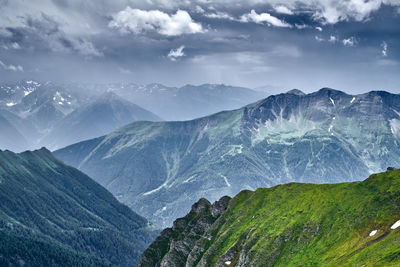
(295, 92)
(330, 91)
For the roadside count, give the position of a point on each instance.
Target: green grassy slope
(308, 225)
(42, 198)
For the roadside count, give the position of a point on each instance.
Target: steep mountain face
(350, 224)
(33, 109)
(174, 245)
(105, 114)
(326, 136)
(12, 94)
(48, 203)
(187, 102)
(45, 105)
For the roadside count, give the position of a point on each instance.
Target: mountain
(10, 137)
(187, 102)
(160, 168)
(327, 136)
(46, 104)
(48, 203)
(20, 251)
(55, 115)
(11, 94)
(105, 114)
(34, 108)
(349, 224)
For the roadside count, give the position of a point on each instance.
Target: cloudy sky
(351, 45)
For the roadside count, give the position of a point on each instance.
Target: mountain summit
(160, 168)
(101, 116)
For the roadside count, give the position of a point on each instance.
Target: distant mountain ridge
(65, 213)
(187, 102)
(55, 115)
(105, 114)
(160, 168)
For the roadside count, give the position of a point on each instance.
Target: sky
(349, 45)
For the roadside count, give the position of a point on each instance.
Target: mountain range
(105, 114)
(56, 115)
(54, 215)
(160, 168)
(187, 102)
(349, 224)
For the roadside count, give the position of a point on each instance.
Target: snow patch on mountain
(395, 127)
(225, 180)
(156, 189)
(373, 233)
(283, 131)
(395, 225)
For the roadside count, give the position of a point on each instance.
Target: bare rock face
(183, 244)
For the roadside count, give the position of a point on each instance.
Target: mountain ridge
(48, 201)
(348, 224)
(325, 136)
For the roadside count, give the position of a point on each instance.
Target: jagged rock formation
(177, 246)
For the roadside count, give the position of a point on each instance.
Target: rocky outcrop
(179, 245)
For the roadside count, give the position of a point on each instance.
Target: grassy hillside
(304, 225)
(44, 199)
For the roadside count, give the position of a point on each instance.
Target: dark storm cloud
(248, 43)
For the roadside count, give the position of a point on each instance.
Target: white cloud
(199, 9)
(13, 45)
(319, 39)
(85, 48)
(11, 67)
(384, 48)
(331, 11)
(283, 10)
(318, 29)
(301, 26)
(351, 41)
(137, 21)
(332, 39)
(325, 11)
(177, 53)
(219, 15)
(263, 18)
(5, 33)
